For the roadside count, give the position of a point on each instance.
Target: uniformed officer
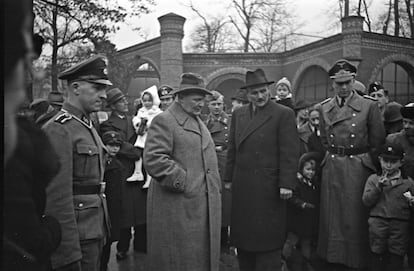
(76, 195)
(164, 92)
(218, 124)
(351, 127)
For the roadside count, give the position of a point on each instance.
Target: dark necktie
(342, 102)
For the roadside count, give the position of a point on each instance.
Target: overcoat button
(333, 155)
(80, 204)
(352, 135)
(353, 114)
(353, 125)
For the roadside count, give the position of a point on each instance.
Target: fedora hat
(113, 95)
(256, 78)
(192, 82)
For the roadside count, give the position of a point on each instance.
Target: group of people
(331, 182)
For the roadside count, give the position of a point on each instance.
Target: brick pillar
(352, 28)
(172, 33)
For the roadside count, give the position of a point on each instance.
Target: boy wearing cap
(351, 129)
(389, 194)
(405, 140)
(113, 178)
(76, 195)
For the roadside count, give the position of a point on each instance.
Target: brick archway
(219, 76)
(304, 66)
(394, 58)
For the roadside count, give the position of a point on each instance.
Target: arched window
(145, 67)
(397, 78)
(314, 85)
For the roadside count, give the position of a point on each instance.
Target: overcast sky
(312, 13)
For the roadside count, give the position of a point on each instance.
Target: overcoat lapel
(258, 120)
(184, 119)
(340, 114)
(205, 134)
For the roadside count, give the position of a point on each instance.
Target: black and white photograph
(208, 135)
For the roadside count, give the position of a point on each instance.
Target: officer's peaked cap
(92, 70)
(342, 71)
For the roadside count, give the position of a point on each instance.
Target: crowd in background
(277, 181)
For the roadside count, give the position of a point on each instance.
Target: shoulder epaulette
(325, 101)
(63, 118)
(370, 98)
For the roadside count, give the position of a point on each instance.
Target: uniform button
(331, 135)
(352, 135)
(351, 156)
(351, 146)
(80, 204)
(353, 125)
(353, 114)
(90, 151)
(208, 171)
(333, 145)
(225, 135)
(333, 155)
(225, 127)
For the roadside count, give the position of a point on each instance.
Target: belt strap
(348, 151)
(88, 189)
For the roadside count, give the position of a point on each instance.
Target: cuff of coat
(174, 183)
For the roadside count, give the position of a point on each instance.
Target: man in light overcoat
(184, 198)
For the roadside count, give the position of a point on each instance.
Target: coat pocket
(89, 218)
(86, 161)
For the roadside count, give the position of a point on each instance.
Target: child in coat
(113, 178)
(389, 194)
(304, 209)
(284, 92)
(142, 120)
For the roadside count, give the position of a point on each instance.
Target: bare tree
(396, 19)
(209, 35)
(64, 23)
(410, 10)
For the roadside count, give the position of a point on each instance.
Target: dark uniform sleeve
(376, 130)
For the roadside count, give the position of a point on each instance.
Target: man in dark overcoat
(262, 162)
(134, 198)
(351, 129)
(76, 195)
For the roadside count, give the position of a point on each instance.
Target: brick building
(383, 58)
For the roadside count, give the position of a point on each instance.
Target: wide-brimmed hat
(240, 95)
(408, 111)
(256, 78)
(112, 138)
(113, 95)
(392, 112)
(191, 82)
(301, 104)
(342, 71)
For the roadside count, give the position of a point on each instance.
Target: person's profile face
(91, 96)
(192, 103)
(121, 105)
(259, 96)
(314, 118)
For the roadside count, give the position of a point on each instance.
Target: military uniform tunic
(219, 130)
(83, 217)
(349, 132)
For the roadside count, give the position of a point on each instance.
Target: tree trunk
(410, 17)
(55, 49)
(387, 20)
(396, 19)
